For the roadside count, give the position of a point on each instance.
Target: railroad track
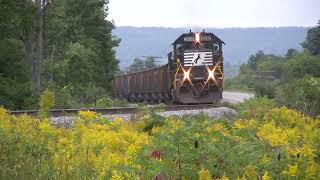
(114, 110)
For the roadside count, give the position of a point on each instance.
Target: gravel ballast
(213, 113)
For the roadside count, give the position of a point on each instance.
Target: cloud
(214, 13)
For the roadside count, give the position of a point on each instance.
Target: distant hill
(240, 42)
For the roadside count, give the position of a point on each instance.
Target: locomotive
(193, 74)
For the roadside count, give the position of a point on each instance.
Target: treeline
(62, 45)
(142, 64)
(292, 80)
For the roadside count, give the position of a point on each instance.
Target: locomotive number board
(191, 38)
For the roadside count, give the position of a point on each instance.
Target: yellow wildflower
(89, 115)
(240, 178)
(175, 125)
(312, 169)
(240, 124)
(266, 176)
(308, 151)
(250, 171)
(265, 159)
(218, 127)
(116, 175)
(204, 175)
(157, 130)
(274, 135)
(291, 170)
(224, 177)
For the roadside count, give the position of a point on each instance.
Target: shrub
(255, 107)
(302, 94)
(108, 102)
(47, 102)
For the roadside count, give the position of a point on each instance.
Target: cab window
(216, 49)
(178, 49)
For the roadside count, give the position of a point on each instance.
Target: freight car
(193, 74)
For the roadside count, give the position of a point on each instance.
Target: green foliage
(291, 80)
(302, 94)
(81, 55)
(137, 65)
(253, 60)
(255, 107)
(16, 17)
(236, 84)
(16, 95)
(78, 51)
(64, 98)
(108, 102)
(290, 53)
(266, 88)
(300, 65)
(140, 64)
(152, 120)
(312, 42)
(150, 63)
(15, 88)
(47, 102)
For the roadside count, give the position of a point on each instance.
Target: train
(193, 74)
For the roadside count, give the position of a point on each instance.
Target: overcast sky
(214, 13)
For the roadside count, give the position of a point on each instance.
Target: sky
(214, 13)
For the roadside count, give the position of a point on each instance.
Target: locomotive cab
(196, 63)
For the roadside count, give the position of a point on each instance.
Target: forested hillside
(240, 42)
(65, 46)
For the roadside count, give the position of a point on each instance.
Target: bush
(47, 102)
(255, 107)
(266, 88)
(108, 102)
(300, 65)
(64, 98)
(302, 94)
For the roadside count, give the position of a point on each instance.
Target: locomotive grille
(198, 58)
(198, 72)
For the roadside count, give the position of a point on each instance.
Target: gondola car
(193, 74)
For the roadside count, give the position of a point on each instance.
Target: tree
(86, 23)
(15, 88)
(16, 91)
(312, 42)
(253, 60)
(291, 52)
(150, 62)
(66, 44)
(137, 65)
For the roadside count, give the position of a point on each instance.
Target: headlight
(210, 74)
(186, 75)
